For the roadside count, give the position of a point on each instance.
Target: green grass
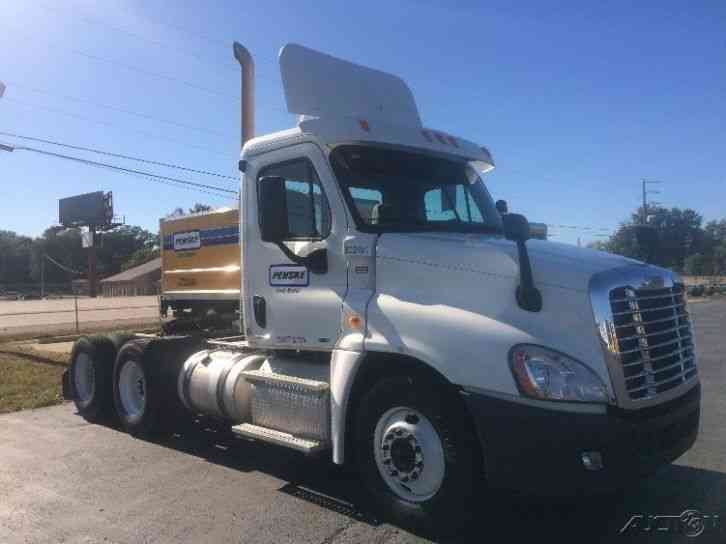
(28, 379)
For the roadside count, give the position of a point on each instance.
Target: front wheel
(414, 453)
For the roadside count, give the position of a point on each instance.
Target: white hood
(553, 264)
(445, 298)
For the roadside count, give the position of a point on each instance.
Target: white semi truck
(395, 319)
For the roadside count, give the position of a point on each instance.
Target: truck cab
(373, 236)
(394, 318)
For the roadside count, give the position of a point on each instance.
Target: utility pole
(646, 192)
(644, 219)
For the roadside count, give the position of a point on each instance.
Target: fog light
(592, 460)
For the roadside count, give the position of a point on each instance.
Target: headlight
(543, 373)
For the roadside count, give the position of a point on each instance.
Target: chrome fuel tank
(211, 383)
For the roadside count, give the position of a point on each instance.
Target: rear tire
(136, 389)
(414, 454)
(119, 339)
(91, 377)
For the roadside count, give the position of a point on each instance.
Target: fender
(350, 371)
(344, 366)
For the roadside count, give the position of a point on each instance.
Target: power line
(116, 155)
(117, 108)
(185, 187)
(198, 36)
(646, 192)
(153, 176)
(62, 266)
(114, 62)
(151, 73)
(32, 105)
(96, 21)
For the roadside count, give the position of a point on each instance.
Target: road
(23, 317)
(63, 480)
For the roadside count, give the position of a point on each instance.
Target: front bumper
(537, 449)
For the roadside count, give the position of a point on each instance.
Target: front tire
(413, 451)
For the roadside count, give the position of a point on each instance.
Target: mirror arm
(528, 296)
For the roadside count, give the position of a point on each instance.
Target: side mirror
(273, 209)
(502, 207)
(516, 227)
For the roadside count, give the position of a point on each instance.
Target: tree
(718, 266)
(140, 256)
(197, 208)
(115, 248)
(124, 244)
(716, 231)
(679, 231)
(15, 257)
(695, 265)
(63, 246)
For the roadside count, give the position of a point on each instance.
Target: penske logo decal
(184, 241)
(206, 237)
(289, 275)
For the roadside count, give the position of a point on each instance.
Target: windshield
(395, 190)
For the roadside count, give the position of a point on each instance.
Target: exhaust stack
(248, 91)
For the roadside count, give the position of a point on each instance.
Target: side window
(452, 203)
(308, 213)
(438, 207)
(365, 200)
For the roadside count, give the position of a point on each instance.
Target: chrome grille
(654, 342)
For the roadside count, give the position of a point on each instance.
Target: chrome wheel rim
(132, 389)
(409, 454)
(84, 378)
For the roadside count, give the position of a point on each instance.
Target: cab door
(286, 304)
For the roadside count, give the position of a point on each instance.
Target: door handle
(259, 308)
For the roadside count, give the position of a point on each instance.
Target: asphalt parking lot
(64, 480)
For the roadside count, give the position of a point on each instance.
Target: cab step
(265, 434)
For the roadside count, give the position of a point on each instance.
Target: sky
(577, 101)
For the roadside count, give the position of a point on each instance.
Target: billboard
(88, 209)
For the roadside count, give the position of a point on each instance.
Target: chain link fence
(26, 314)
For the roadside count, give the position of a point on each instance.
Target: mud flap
(66, 383)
